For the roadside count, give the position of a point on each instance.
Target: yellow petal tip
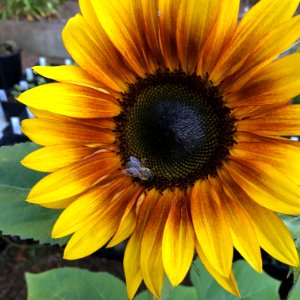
(110, 245)
(68, 257)
(295, 263)
(174, 282)
(36, 69)
(69, 254)
(237, 293)
(34, 199)
(24, 162)
(31, 200)
(55, 234)
(257, 266)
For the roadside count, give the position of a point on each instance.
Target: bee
(135, 168)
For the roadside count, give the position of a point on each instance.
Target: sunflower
(169, 132)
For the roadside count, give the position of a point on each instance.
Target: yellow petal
(89, 15)
(244, 137)
(47, 114)
(48, 132)
(121, 27)
(148, 14)
(98, 58)
(219, 35)
(282, 121)
(275, 152)
(71, 100)
(69, 74)
(107, 123)
(211, 228)
(145, 14)
(132, 268)
(124, 230)
(272, 234)
(101, 225)
(178, 241)
(195, 21)
(228, 283)
(74, 179)
(60, 204)
(258, 22)
(168, 13)
(113, 60)
(152, 265)
(132, 255)
(250, 111)
(266, 50)
(128, 221)
(52, 158)
(265, 185)
(91, 237)
(242, 232)
(80, 213)
(277, 82)
(87, 207)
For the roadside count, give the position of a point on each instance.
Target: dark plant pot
(280, 272)
(10, 70)
(13, 109)
(9, 138)
(3, 244)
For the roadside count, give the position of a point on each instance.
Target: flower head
(168, 132)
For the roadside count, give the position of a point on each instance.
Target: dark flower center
(173, 127)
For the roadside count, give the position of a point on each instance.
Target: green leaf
(296, 100)
(184, 292)
(17, 217)
(145, 295)
(12, 173)
(252, 285)
(74, 283)
(167, 290)
(294, 294)
(293, 224)
(179, 293)
(171, 293)
(295, 271)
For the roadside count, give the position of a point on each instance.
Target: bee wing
(134, 162)
(131, 172)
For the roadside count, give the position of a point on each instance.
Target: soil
(19, 257)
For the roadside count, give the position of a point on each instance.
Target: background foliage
(72, 283)
(18, 217)
(29, 9)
